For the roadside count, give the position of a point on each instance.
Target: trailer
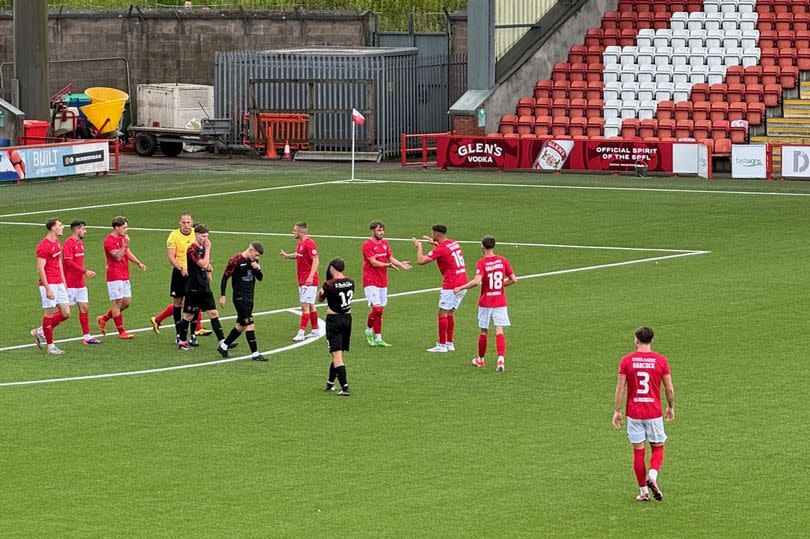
(213, 135)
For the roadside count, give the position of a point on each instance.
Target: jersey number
(459, 258)
(495, 280)
(346, 298)
(643, 383)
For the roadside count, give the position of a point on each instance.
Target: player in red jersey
(377, 258)
(52, 289)
(448, 256)
(494, 274)
(116, 248)
(306, 257)
(75, 274)
(642, 373)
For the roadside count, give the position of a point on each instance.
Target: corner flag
(358, 118)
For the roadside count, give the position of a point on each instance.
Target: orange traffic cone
(287, 154)
(270, 147)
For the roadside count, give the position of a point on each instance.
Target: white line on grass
(183, 198)
(321, 324)
(591, 188)
(339, 237)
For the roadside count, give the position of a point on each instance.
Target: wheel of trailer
(171, 149)
(145, 144)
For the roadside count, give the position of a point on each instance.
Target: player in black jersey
(198, 286)
(245, 270)
(338, 291)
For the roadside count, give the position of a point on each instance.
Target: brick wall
(466, 125)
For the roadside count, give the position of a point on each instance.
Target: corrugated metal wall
(398, 91)
(517, 13)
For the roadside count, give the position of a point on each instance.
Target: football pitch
(137, 438)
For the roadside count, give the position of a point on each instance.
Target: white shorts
(376, 296)
(306, 294)
(119, 290)
(60, 296)
(639, 430)
(449, 299)
(78, 295)
(497, 315)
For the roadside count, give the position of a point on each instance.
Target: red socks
(500, 344)
(304, 321)
(165, 313)
(50, 322)
(482, 345)
(451, 326)
(442, 329)
(377, 320)
(313, 320)
(119, 323)
(106, 316)
(84, 320)
(657, 457)
(198, 327)
(638, 466)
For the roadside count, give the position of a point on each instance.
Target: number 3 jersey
(338, 294)
(644, 372)
(493, 271)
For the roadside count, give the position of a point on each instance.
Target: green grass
(426, 446)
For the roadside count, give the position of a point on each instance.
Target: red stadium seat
(577, 72)
(645, 20)
(683, 110)
(755, 113)
(717, 92)
(579, 89)
(593, 37)
(594, 55)
(560, 89)
(785, 38)
(772, 95)
(801, 22)
(784, 21)
(722, 147)
(577, 109)
(595, 127)
(543, 88)
(542, 125)
(709, 143)
(767, 39)
(594, 90)
(559, 126)
(700, 92)
(560, 72)
(683, 128)
(753, 75)
(525, 124)
(781, 6)
(525, 106)
(610, 37)
(720, 129)
(734, 74)
(803, 59)
(576, 54)
(718, 111)
(577, 126)
(700, 110)
(771, 74)
(737, 111)
(769, 57)
(627, 20)
(662, 21)
(666, 129)
(595, 108)
(594, 72)
(508, 124)
(542, 106)
(802, 40)
(560, 108)
(666, 110)
(736, 92)
(737, 134)
(702, 129)
(766, 21)
(787, 57)
(628, 37)
(648, 128)
(630, 127)
(789, 77)
(610, 20)
(753, 93)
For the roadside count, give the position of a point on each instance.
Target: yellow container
(105, 115)
(105, 94)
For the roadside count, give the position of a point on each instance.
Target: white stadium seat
(713, 22)
(681, 91)
(613, 126)
(629, 91)
(662, 38)
(714, 38)
(646, 91)
(716, 56)
(629, 109)
(732, 39)
(728, 6)
(697, 57)
(680, 74)
(711, 6)
(697, 38)
(680, 38)
(748, 21)
(611, 73)
(663, 91)
(612, 108)
(611, 91)
(663, 56)
(663, 74)
(697, 19)
(645, 56)
(628, 55)
(645, 37)
(699, 75)
(646, 73)
(679, 20)
(629, 73)
(750, 39)
(680, 56)
(746, 6)
(647, 109)
(611, 55)
(750, 57)
(717, 74)
(734, 57)
(731, 21)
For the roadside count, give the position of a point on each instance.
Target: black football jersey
(338, 294)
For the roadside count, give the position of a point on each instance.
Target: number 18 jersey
(644, 372)
(493, 271)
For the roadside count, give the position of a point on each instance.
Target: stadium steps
(789, 127)
(804, 90)
(796, 108)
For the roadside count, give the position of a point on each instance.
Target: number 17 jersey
(493, 271)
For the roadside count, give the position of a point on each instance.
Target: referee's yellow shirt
(180, 242)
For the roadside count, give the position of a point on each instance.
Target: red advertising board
(477, 152)
(623, 156)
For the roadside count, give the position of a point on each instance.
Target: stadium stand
(716, 71)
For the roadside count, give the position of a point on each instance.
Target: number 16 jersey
(493, 271)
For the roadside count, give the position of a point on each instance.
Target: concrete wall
(170, 46)
(521, 83)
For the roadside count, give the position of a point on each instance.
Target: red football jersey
(381, 251)
(117, 270)
(645, 372)
(50, 250)
(450, 260)
(493, 271)
(73, 262)
(306, 250)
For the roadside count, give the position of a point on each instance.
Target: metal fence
(398, 91)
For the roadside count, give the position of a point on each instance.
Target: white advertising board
(749, 161)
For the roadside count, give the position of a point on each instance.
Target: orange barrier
(293, 128)
(427, 146)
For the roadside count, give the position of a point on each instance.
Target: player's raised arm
(618, 398)
(669, 390)
(421, 259)
(403, 265)
(289, 256)
(472, 283)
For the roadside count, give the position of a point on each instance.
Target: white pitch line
(162, 369)
(592, 188)
(339, 237)
(414, 292)
(172, 199)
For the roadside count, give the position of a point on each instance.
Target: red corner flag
(358, 118)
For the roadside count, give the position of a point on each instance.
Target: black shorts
(178, 287)
(198, 300)
(244, 312)
(338, 331)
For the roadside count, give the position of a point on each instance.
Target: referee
(244, 270)
(337, 291)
